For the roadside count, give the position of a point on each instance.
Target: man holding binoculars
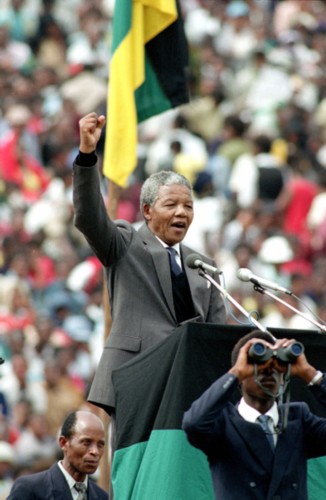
(258, 449)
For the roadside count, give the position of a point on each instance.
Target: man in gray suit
(82, 440)
(148, 299)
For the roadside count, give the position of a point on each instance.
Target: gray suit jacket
(50, 485)
(139, 284)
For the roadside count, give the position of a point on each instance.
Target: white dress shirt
(71, 481)
(177, 249)
(251, 415)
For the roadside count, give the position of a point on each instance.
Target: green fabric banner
(165, 467)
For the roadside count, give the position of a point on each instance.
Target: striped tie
(263, 421)
(81, 488)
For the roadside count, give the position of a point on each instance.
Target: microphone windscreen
(244, 274)
(191, 259)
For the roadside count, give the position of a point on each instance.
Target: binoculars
(259, 353)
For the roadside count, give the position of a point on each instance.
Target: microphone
(245, 274)
(194, 261)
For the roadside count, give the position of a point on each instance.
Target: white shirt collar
(176, 246)
(71, 481)
(250, 414)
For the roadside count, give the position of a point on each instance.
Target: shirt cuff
(317, 378)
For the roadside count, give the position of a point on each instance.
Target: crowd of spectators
(251, 141)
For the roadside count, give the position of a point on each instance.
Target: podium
(154, 460)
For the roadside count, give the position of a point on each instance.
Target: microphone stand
(263, 290)
(229, 297)
(283, 415)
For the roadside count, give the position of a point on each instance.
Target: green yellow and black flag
(147, 76)
(153, 459)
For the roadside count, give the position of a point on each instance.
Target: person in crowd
(261, 172)
(60, 387)
(294, 202)
(35, 444)
(82, 441)
(249, 461)
(16, 384)
(148, 297)
(233, 144)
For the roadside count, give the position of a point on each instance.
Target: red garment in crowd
(302, 193)
(21, 169)
(295, 214)
(10, 321)
(43, 272)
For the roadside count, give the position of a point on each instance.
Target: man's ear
(63, 442)
(147, 212)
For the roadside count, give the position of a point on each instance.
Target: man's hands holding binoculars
(280, 355)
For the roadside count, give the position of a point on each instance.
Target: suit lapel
(60, 489)
(256, 442)
(92, 492)
(160, 261)
(274, 462)
(283, 452)
(161, 264)
(197, 284)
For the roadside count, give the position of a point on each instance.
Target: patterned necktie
(81, 488)
(263, 421)
(176, 269)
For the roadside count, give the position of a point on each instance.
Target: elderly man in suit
(82, 440)
(148, 297)
(249, 458)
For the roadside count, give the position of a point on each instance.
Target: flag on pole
(147, 76)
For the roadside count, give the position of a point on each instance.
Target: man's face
(270, 376)
(171, 214)
(83, 451)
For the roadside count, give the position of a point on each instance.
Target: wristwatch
(319, 375)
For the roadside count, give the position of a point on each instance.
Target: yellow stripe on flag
(127, 73)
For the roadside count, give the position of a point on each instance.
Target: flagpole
(114, 193)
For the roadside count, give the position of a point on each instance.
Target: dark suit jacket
(50, 485)
(242, 462)
(139, 284)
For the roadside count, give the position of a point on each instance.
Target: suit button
(252, 484)
(294, 486)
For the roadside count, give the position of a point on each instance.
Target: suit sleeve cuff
(86, 159)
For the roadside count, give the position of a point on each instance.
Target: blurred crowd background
(251, 141)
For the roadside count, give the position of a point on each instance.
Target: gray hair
(151, 187)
